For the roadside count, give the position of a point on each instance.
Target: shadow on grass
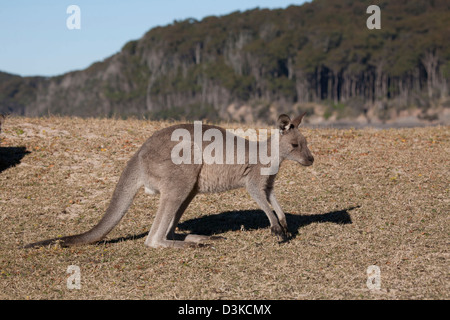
(11, 156)
(257, 219)
(249, 220)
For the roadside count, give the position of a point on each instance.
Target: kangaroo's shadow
(249, 220)
(11, 156)
(257, 219)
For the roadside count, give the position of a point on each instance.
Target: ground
(372, 197)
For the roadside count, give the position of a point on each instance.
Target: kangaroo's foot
(197, 238)
(200, 238)
(183, 241)
(280, 232)
(171, 244)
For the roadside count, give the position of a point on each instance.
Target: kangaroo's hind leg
(197, 238)
(169, 211)
(173, 225)
(173, 202)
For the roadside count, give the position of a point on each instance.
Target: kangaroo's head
(293, 144)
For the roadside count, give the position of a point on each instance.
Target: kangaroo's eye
(295, 145)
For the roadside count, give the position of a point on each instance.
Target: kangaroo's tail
(129, 183)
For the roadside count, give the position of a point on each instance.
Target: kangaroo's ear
(284, 123)
(296, 122)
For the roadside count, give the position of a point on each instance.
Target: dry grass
(373, 197)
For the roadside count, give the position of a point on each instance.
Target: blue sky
(34, 38)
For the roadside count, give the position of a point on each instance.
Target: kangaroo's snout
(307, 161)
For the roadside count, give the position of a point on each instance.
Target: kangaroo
(152, 167)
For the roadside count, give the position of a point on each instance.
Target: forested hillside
(318, 57)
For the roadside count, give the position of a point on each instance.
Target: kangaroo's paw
(281, 233)
(170, 244)
(183, 241)
(201, 238)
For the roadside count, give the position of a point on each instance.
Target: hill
(251, 65)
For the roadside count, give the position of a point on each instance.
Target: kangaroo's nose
(311, 158)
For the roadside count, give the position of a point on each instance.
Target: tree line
(319, 52)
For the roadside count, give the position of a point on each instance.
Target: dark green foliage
(195, 111)
(318, 52)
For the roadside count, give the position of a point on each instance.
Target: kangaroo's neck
(269, 155)
(273, 146)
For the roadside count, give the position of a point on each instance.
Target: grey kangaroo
(152, 167)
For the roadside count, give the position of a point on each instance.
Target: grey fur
(151, 167)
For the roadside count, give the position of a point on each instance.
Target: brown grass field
(372, 197)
